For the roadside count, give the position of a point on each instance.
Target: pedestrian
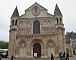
(67, 56)
(64, 55)
(11, 57)
(74, 52)
(61, 56)
(0, 58)
(52, 57)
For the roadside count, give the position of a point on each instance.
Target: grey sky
(67, 7)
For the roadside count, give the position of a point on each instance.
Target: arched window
(12, 22)
(16, 22)
(57, 20)
(36, 27)
(60, 19)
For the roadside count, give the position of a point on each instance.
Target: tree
(3, 44)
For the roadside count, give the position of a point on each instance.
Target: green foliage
(3, 44)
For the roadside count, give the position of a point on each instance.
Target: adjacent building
(70, 39)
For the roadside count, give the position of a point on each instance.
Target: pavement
(70, 58)
(73, 57)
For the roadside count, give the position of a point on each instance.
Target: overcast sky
(67, 7)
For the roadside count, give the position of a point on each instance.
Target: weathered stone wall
(22, 38)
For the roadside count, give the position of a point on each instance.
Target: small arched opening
(16, 22)
(12, 22)
(57, 20)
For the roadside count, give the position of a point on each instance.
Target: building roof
(15, 13)
(57, 11)
(71, 35)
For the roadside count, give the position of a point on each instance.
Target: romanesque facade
(36, 33)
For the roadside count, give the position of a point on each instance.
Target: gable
(36, 4)
(35, 10)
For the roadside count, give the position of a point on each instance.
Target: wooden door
(37, 49)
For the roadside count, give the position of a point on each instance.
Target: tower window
(16, 22)
(57, 20)
(60, 19)
(12, 22)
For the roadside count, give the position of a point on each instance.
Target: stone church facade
(36, 33)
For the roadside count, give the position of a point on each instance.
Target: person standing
(64, 55)
(61, 55)
(0, 58)
(52, 57)
(11, 57)
(74, 52)
(67, 56)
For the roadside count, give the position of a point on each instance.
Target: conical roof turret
(57, 11)
(15, 13)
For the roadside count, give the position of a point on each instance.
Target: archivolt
(36, 41)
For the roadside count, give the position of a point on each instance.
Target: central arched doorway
(36, 50)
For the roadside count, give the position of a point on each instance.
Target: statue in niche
(22, 45)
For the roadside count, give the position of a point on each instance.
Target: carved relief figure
(36, 11)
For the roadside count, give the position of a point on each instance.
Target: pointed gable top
(15, 13)
(35, 5)
(57, 11)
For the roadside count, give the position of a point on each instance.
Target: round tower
(59, 28)
(12, 32)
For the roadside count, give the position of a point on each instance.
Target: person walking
(64, 55)
(52, 57)
(0, 58)
(67, 56)
(61, 56)
(74, 52)
(11, 57)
